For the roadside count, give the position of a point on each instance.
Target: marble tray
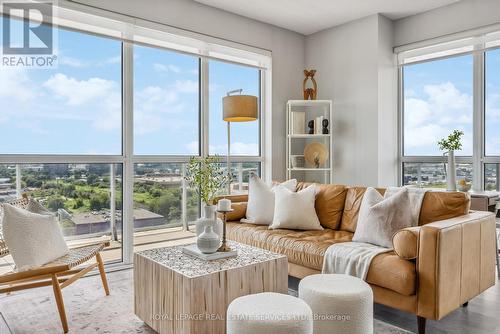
(193, 250)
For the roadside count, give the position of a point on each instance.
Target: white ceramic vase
(451, 173)
(208, 242)
(209, 218)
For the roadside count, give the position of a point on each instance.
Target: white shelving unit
(296, 143)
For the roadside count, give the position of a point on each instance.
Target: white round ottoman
(269, 312)
(340, 303)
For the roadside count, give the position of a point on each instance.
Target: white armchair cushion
(33, 239)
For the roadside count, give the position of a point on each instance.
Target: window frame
(210, 48)
(479, 159)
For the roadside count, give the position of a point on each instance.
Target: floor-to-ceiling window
(445, 90)
(437, 99)
(103, 138)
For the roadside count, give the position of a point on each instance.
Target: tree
(99, 201)
(92, 179)
(163, 204)
(68, 190)
(55, 202)
(78, 203)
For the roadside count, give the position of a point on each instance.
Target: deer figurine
(310, 93)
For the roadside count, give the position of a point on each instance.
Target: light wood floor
(482, 316)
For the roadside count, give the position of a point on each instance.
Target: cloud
(15, 84)
(78, 92)
(186, 86)
(442, 109)
(99, 98)
(153, 102)
(166, 68)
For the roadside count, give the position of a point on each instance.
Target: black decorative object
(325, 127)
(310, 125)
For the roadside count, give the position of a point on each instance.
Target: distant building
(98, 222)
(7, 190)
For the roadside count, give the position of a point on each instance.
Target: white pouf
(340, 303)
(269, 312)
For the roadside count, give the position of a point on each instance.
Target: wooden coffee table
(176, 293)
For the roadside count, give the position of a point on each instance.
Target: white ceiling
(309, 16)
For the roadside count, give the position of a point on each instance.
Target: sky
(438, 98)
(76, 107)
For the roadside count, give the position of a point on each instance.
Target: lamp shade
(240, 108)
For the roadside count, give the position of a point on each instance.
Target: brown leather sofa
(434, 268)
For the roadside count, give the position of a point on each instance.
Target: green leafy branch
(207, 177)
(453, 142)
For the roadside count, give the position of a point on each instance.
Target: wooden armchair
(59, 273)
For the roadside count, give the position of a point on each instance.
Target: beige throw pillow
(295, 210)
(33, 239)
(379, 218)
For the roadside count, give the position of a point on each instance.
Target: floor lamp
(237, 108)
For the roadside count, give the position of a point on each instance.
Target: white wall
(355, 69)
(287, 48)
(387, 105)
(458, 17)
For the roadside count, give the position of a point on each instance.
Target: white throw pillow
(295, 210)
(33, 239)
(379, 218)
(260, 207)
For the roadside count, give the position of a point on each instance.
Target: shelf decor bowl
(316, 154)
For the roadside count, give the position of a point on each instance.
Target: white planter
(451, 173)
(209, 218)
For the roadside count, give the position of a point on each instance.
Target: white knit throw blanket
(354, 258)
(350, 258)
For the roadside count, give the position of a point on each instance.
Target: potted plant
(450, 145)
(208, 178)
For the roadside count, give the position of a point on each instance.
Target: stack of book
(318, 125)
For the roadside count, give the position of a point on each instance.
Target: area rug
(89, 311)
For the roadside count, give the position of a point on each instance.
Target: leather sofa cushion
(437, 205)
(305, 248)
(405, 242)
(441, 205)
(389, 271)
(240, 210)
(354, 196)
(329, 204)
